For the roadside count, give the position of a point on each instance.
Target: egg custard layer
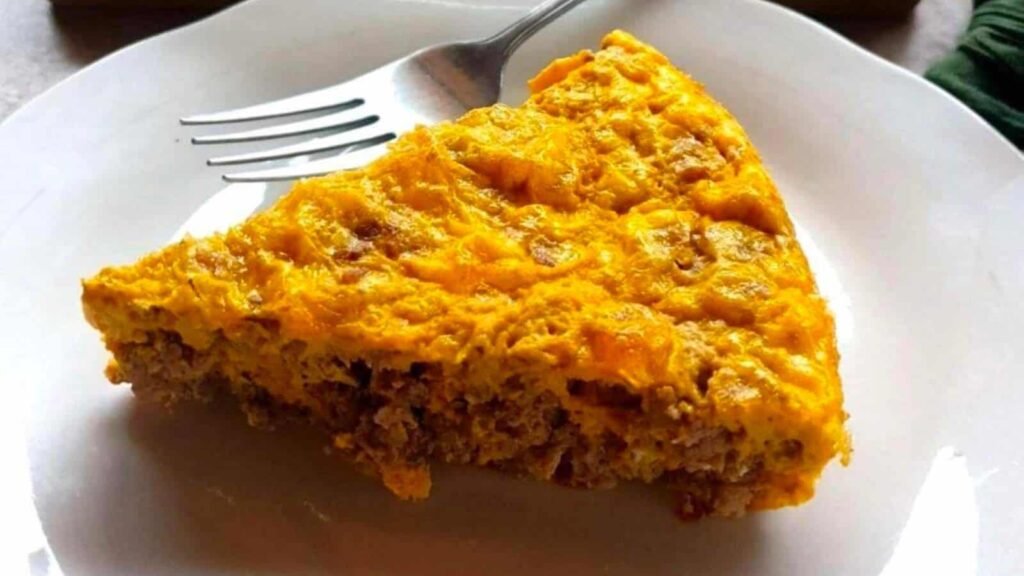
(599, 285)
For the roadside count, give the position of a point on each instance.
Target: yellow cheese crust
(617, 227)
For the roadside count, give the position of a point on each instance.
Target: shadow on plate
(222, 498)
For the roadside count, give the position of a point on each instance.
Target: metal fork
(436, 83)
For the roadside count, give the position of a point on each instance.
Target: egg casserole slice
(599, 285)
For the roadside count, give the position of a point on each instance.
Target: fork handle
(512, 37)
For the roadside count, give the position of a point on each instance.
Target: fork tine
(345, 161)
(366, 134)
(339, 96)
(346, 120)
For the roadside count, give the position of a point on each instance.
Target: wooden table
(39, 45)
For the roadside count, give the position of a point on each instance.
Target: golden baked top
(618, 226)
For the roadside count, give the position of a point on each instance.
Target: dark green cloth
(986, 70)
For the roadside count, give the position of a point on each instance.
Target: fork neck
(509, 39)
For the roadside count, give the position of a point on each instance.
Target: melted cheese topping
(618, 226)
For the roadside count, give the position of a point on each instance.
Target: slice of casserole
(599, 285)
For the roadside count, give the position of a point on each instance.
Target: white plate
(910, 206)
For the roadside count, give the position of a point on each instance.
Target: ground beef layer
(393, 424)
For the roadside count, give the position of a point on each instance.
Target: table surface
(40, 45)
